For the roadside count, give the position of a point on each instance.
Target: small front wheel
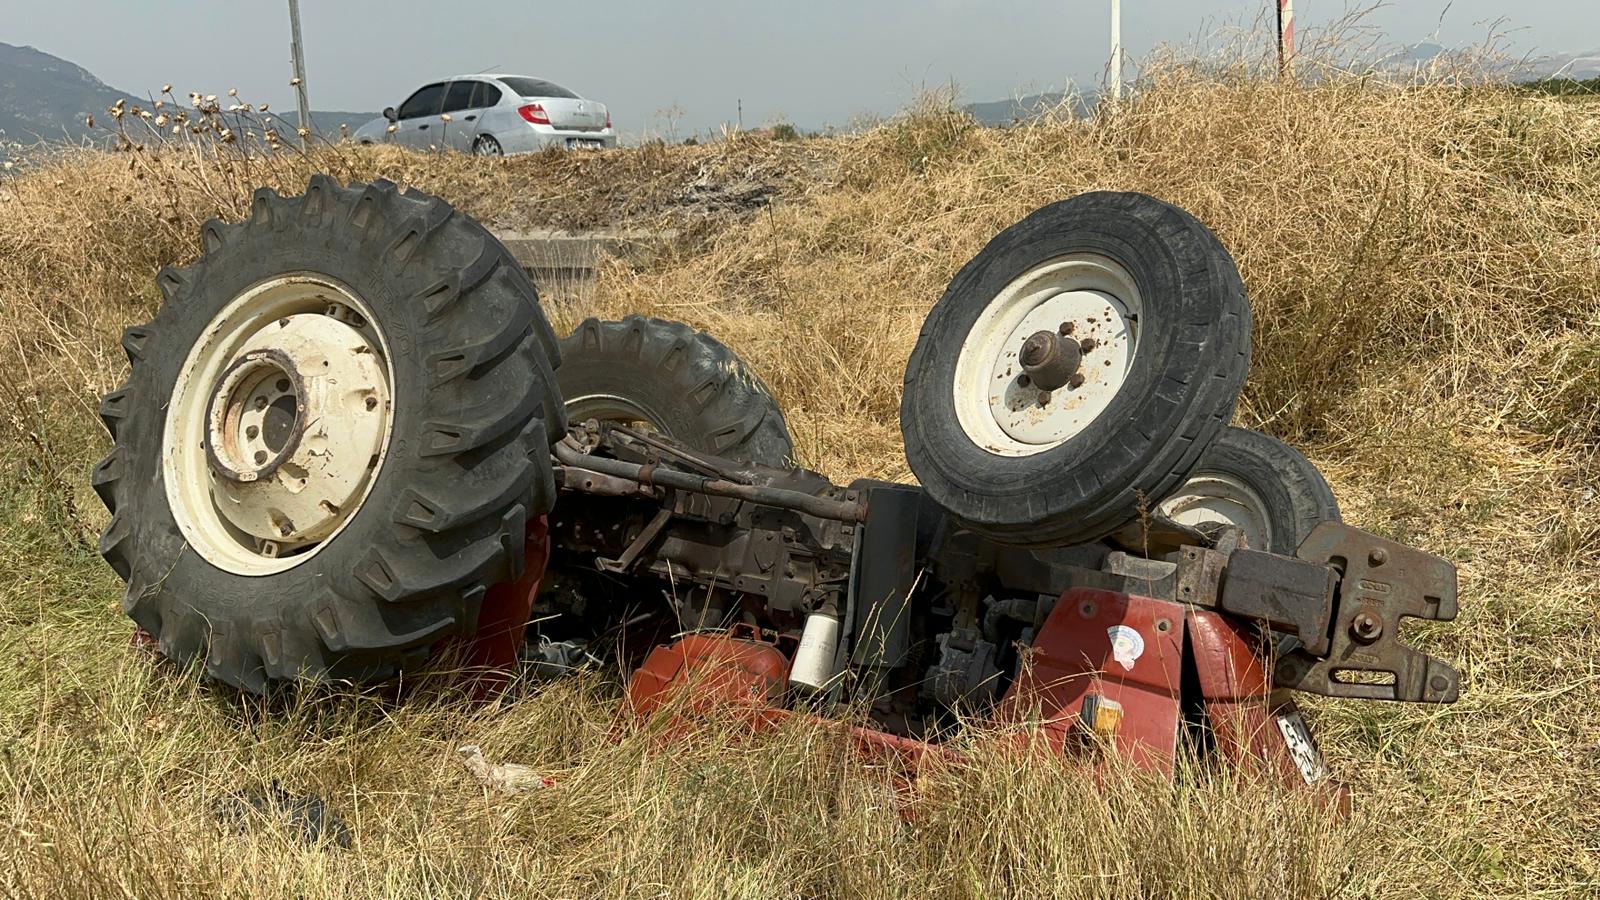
(1258, 484)
(1076, 370)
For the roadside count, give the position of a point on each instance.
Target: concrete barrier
(579, 253)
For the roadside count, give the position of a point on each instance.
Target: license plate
(580, 144)
(1301, 747)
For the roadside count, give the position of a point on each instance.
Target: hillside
(1421, 265)
(44, 97)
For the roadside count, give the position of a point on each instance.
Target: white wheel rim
(1082, 297)
(1212, 498)
(278, 424)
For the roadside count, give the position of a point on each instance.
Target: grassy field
(1424, 265)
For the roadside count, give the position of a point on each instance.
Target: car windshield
(537, 87)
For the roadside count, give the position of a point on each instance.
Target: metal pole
(298, 60)
(1285, 38)
(1116, 50)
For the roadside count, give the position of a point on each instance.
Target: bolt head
(1378, 556)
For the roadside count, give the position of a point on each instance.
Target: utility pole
(1116, 51)
(1285, 38)
(297, 59)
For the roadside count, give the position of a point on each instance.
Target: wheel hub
(294, 425)
(1210, 499)
(1048, 355)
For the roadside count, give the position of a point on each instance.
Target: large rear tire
(333, 436)
(1076, 370)
(675, 380)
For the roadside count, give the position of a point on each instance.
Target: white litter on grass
(505, 778)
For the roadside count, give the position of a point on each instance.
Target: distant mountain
(1576, 66)
(44, 97)
(1001, 113)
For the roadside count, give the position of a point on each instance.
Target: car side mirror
(390, 114)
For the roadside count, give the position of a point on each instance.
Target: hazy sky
(815, 62)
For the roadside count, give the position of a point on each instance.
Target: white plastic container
(819, 646)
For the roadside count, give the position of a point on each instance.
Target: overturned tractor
(350, 439)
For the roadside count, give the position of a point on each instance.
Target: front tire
(1076, 370)
(230, 425)
(1260, 485)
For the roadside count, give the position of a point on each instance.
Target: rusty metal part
(810, 504)
(588, 481)
(694, 460)
(1156, 535)
(637, 546)
(1291, 595)
(1382, 582)
(1200, 576)
(1049, 361)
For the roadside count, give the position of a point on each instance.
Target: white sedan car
(493, 115)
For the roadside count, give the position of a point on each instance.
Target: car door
(484, 98)
(457, 133)
(419, 117)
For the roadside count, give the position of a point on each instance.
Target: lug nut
(1044, 397)
(1366, 627)
(1067, 328)
(1087, 344)
(1023, 381)
(1076, 380)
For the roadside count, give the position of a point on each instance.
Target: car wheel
(1258, 484)
(674, 380)
(486, 145)
(331, 440)
(1076, 370)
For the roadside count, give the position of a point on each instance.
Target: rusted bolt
(372, 403)
(261, 457)
(1076, 380)
(1044, 397)
(1087, 344)
(286, 528)
(1366, 627)
(1067, 328)
(251, 431)
(1023, 381)
(1378, 556)
(282, 385)
(1439, 682)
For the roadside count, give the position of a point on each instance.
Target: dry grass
(1425, 270)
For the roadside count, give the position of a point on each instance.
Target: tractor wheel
(673, 380)
(1076, 370)
(1260, 485)
(333, 436)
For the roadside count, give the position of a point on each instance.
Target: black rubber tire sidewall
(1296, 495)
(1191, 362)
(332, 616)
(688, 384)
